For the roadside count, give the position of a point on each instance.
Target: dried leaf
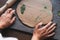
(45, 7)
(58, 13)
(22, 9)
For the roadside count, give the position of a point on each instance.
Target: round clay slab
(31, 12)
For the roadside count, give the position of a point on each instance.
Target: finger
(52, 29)
(47, 32)
(11, 13)
(13, 19)
(8, 10)
(48, 25)
(38, 25)
(52, 34)
(42, 30)
(53, 25)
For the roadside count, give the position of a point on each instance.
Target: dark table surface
(56, 7)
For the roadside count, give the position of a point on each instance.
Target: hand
(6, 18)
(43, 32)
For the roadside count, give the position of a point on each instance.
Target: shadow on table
(19, 34)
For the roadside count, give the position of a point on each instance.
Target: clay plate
(35, 11)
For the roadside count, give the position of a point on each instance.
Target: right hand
(44, 32)
(6, 18)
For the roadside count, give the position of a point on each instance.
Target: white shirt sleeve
(8, 38)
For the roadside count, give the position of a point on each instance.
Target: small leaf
(58, 13)
(37, 18)
(22, 9)
(45, 7)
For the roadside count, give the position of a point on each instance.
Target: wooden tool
(31, 12)
(8, 4)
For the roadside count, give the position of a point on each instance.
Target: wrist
(1, 27)
(34, 37)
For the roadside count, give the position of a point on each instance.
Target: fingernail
(40, 23)
(55, 24)
(14, 16)
(14, 10)
(50, 22)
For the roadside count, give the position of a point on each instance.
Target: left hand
(6, 18)
(43, 32)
